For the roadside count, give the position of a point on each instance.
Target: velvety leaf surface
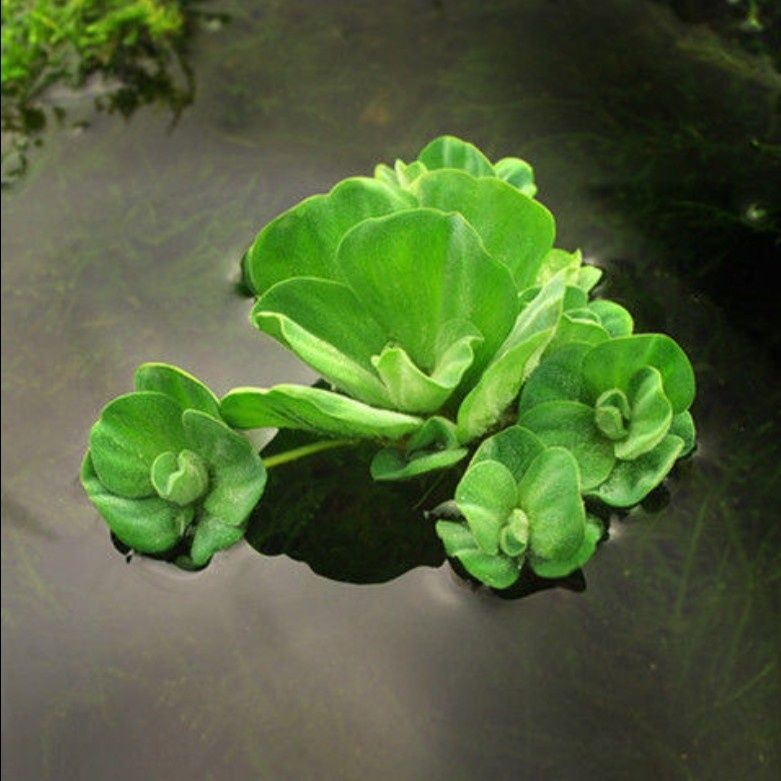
(518, 173)
(486, 496)
(416, 270)
(313, 409)
(494, 571)
(302, 242)
(514, 448)
(212, 535)
(614, 363)
(614, 318)
(557, 378)
(452, 152)
(631, 481)
(432, 447)
(516, 359)
(651, 415)
(682, 426)
(148, 525)
(236, 475)
(131, 432)
(570, 424)
(515, 229)
(188, 391)
(549, 493)
(328, 328)
(560, 568)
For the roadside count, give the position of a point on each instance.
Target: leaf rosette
(166, 472)
(409, 294)
(621, 406)
(521, 502)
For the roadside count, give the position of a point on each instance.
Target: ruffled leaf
(302, 242)
(131, 432)
(614, 363)
(549, 494)
(237, 476)
(187, 391)
(486, 495)
(327, 327)
(558, 378)
(515, 229)
(560, 568)
(631, 481)
(434, 446)
(683, 426)
(518, 173)
(614, 318)
(570, 424)
(650, 416)
(416, 271)
(452, 152)
(514, 448)
(147, 525)
(516, 359)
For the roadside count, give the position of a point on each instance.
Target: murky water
(121, 245)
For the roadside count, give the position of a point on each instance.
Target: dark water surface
(656, 148)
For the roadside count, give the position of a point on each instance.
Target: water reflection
(65, 79)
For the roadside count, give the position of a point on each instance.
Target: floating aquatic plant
(444, 322)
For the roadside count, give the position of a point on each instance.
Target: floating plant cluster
(452, 334)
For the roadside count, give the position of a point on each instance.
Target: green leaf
(413, 391)
(560, 568)
(452, 152)
(328, 328)
(556, 261)
(486, 495)
(614, 318)
(236, 474)
(302, 242)
(558, 378)
(515, 229)
(518, 173)
(631, 481)
(577, 329)
(416, 271)
(147, 525)
(613, 364)
(587, 277)
(516, 359)
(434, 446)
(212, 535)
(187, 391)
(313, 409)
(181, 478)
(392, 464)
(549, 494)
(683, 426)
(131, 432)
(650, 417)
(570, 424)
(496, 571)
(456, 537)
(513, 447)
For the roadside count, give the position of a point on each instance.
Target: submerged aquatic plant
(443, 321)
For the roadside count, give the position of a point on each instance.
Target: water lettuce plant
(443, 322)
(166, 472)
